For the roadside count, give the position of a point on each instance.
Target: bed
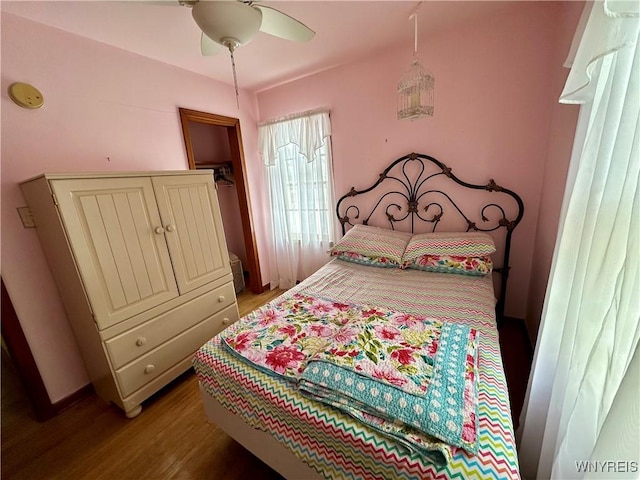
(306, 427)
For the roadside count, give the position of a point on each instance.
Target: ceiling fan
(231, 24)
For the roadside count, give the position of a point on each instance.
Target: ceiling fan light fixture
(223, 20)
(232, 24)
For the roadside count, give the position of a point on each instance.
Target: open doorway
(215, 142)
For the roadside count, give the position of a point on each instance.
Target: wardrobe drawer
(130, 345)
(225, 318)
(143, 370)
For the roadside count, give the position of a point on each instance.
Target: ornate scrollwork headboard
(422, 194)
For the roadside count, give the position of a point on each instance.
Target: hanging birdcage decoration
(415, 89)
(415, 93)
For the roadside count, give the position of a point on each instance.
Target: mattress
(333, 443)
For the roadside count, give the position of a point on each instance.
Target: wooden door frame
(26, 367)
(23, 360)
(240, 176)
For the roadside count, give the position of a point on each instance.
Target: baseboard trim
(70, 400)
(25, 366)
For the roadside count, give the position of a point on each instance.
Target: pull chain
(232, 44)
(235, 78)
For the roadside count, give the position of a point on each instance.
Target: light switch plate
(26, 217)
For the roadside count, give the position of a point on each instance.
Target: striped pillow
(364, 242)
(458, 244)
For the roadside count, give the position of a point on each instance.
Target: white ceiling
(165, 31)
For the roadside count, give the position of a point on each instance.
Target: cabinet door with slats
(116, 235)
(191, 218)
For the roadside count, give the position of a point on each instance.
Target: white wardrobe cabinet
(142, 266)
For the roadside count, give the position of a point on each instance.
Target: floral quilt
(410, 377)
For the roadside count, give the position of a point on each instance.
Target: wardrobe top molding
(55, 176)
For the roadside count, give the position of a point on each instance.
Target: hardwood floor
(170, 439)
(248, 302)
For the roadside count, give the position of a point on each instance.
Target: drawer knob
(141, 341)
(170, 228)
(159, 230)
(149, 368)
(226, 321)
(221, 299)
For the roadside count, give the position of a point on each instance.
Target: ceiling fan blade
(279, 24)
(208, 47)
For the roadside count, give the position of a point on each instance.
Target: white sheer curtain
(590, 322)
(297, 156)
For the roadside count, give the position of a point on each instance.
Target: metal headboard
(415, 194)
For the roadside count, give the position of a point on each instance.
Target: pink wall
(105, 110)
(560, 143)
(210, 143)
(495, 85)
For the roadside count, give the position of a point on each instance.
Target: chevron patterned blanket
(330, 440)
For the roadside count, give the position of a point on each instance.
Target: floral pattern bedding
(375, 260)
(452, 264)
(408, 376)
(332, 442)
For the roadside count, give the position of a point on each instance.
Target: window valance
(308, 131)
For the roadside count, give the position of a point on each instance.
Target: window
(307, 190)
(297, 157)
